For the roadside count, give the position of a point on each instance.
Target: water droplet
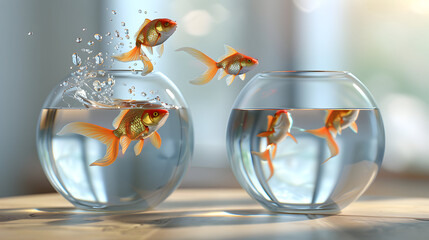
(127, 36)
(143, 94)
(99, 59)
(77, 61)
(65, 83)
(151, 92)
(133, 71)
(116, 33)
(90, 43)
(130, 91)
(110, 81)
(84, 29)
(103, 84)
(96, 85)
(140, 11)
(30, 33)
(101, 73)
(135, 64)
(123, 24)
(91, 75)
(78, 40)
(108, 34)
(98, 37)
(114, 12)
(145, 12)
(126, 31)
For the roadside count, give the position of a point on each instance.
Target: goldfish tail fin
(104, 135)
(133, 55)
(265, 155)
(208, 75)
(148, 66)
(332, 144)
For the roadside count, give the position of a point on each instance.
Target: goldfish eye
(166, 24)
(249, 60)
(155, 114)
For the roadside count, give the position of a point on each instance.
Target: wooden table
(220, 214)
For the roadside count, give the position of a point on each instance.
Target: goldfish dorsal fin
(354, 127)
(138, 147)
(125, 142)
(146, 21)
(228, 52)
(242, 76)
(155, 139)
(119, 118)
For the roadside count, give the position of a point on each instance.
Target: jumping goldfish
(335, 122)
(151, 33)
(130, 124)
(233, 63)
(278, 128)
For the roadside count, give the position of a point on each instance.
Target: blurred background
(384, 43)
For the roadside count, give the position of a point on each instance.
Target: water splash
(77, 61)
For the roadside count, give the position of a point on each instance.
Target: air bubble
(30, 33)
(145, 12)
(126, 31)
(84, 29)
(140, 11)
(101, 73)
(90, 43)
(99, 59)
(127, 36)
(77, 61)
(123, 24)
(108, 34)
(116, 33)
(98, 37)
(114, 12)
(143, 94)
(110, 81)
(96, 85)
(78, 40)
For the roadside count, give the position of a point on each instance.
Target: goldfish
(335, 122)
(151, 33)
(233, 63)
(278, 128)
(130, 125)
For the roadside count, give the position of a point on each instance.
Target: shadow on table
(164, 219)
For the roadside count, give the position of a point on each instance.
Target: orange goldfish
(278, 128)
(335, 122)
(130, 124)
(233, 63)
(151, 33)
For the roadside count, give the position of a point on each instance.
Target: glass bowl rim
(303, 73)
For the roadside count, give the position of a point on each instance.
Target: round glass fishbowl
(305, 141)
(115, 140)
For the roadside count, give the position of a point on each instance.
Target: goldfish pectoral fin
(149, 49)
(293, 138)
(125, 142)
(133, 55)
(155, 139)
(119, 118)
(148, 66)
(111, 153)
(230, 79)
(208, 75)
(242, 76)
(160, 50)
(138, 147)
(354, 127)
(269, 121)
(265, 134)
(146, 21)
(222, 75)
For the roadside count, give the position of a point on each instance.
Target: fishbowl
(115, 140)
(305, 141)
